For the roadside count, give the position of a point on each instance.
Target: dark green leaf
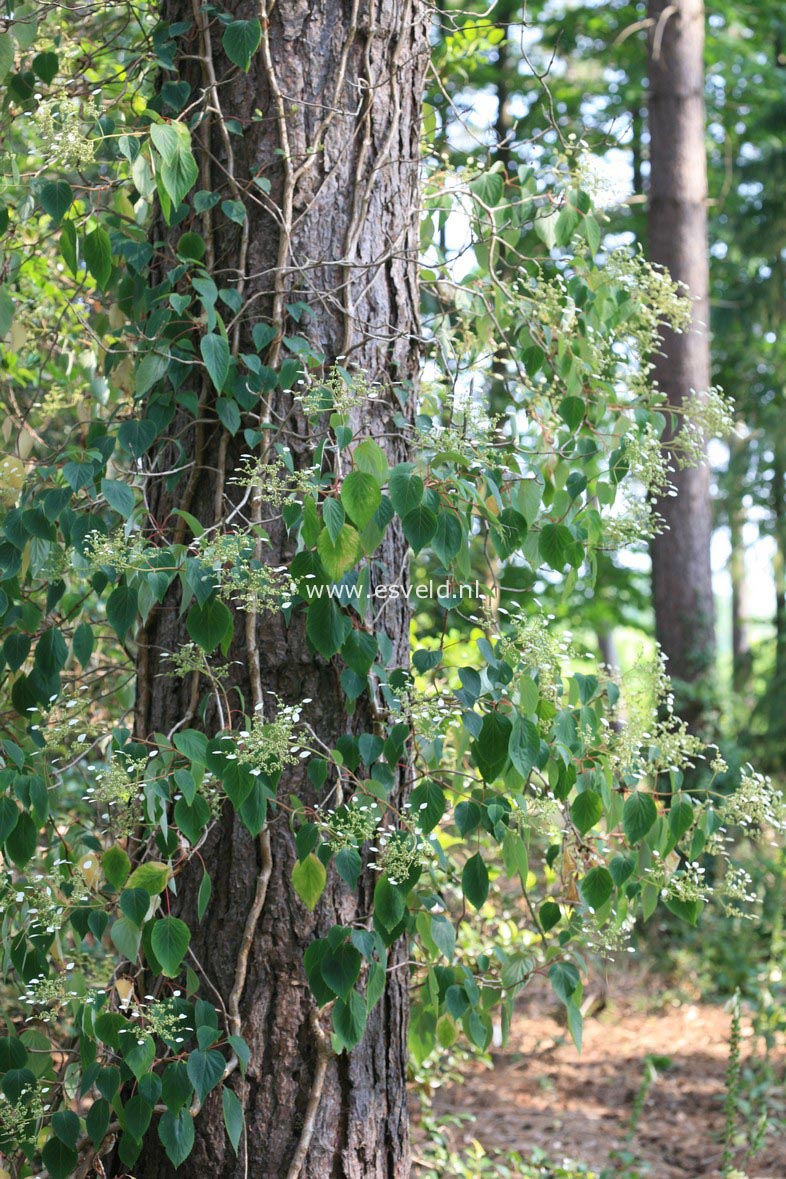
(241, 40)
(177, 1135)
(475, 881)
(205, 1070)
(638, 815)
(215, 353)
(170, 940)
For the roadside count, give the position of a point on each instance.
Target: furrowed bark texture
(681, 571)
(330, 113)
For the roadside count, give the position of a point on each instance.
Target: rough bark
(338, 231)
(682, 577)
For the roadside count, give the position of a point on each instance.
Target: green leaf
(119, 496)
(361, 496)
(555, 544)
(210, 624)
(341, 968)
(420, 526)
(234, 210)
(45, 65)
(233, 1116)
(203, 896)
(176, 1089)
(176, 1132)
(308, 880)
(137, 1114)
(179, 170)
(370, 458)
(333, 515)
(215, 353)
(549, 915)
(686, 910)
(564, 979)
(98, 256)
(16, 648)
(83, 643)
(428, 805)
(680, 818)
(97, 1120)
(59, 1159)
(65, 1124)
(150, 370)
(490, 750)
(443, 936)
(524, 745)
(205, 1070)
(192, 818)
(638, 815)
(596, 887)
(51, 651)
(586, 810)
(448, 538)
(327, 626)
(546, 226)
(6, 54)
(339, 556)
(193, 745)
(349, 1021)
(21, 843)
(475, 881)
(152, 876)
(126, 937)
(389, 903)
(170, 941)
(56, 199)
(116, 866)
(241, 1051)
(9, 817)
(406, 489)
(134, 903)
(241, 40)
(229, 414)
(121, 608)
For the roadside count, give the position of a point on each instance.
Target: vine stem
(314, 1098)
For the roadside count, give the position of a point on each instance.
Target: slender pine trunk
(677, 231)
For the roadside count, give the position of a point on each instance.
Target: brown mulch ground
(541, 1093)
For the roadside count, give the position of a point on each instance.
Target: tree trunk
(338, 90)
(681, 571)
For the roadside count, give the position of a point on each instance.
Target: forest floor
(541, 1093)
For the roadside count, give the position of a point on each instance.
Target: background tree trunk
(338, 89)
(681, 571)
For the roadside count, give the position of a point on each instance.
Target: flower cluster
(339, 394)
(274, 481)
(400, 853)
(647, 736)
(60, 124)
(708, 415)
(351, 825)
(118, 788)
(117, 551)
(688, 885)
(49, 994)
(535, 646)
(268, 746)
(16, 1119)
(755, 803)
(67, 723)
(649, 477)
